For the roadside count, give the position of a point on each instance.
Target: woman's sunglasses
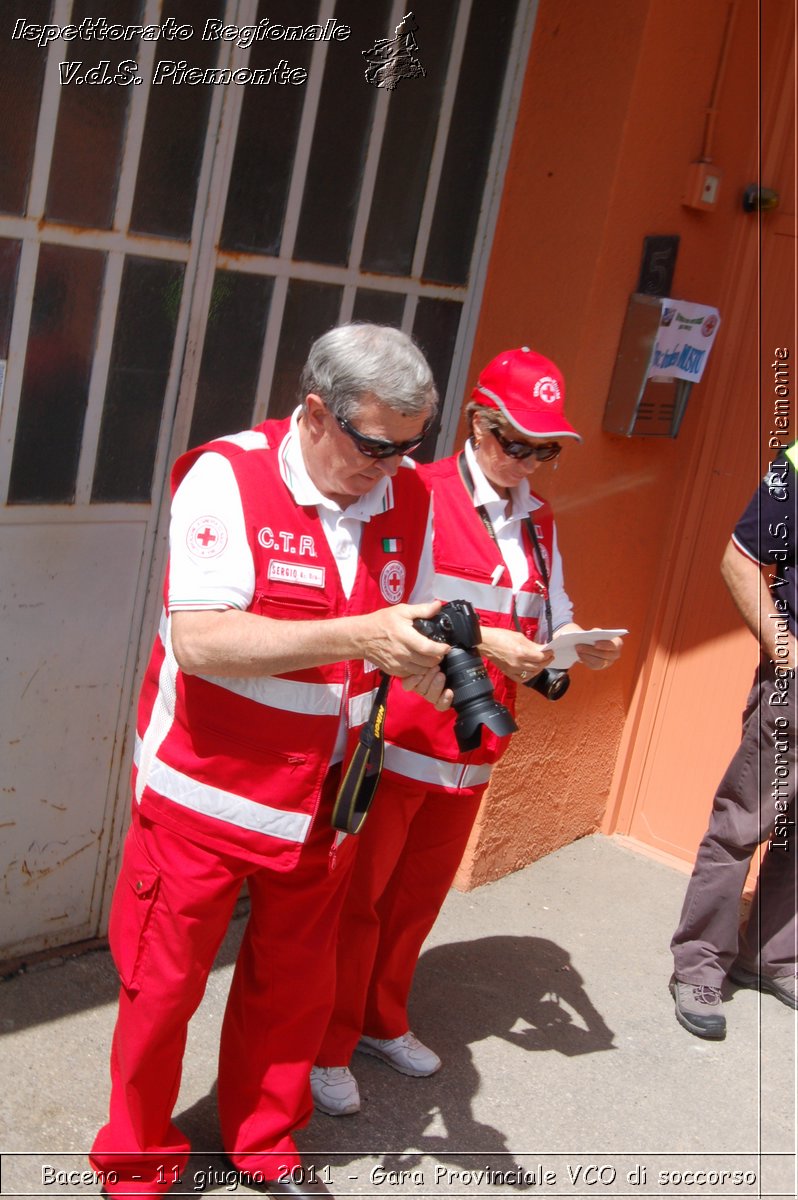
(543, 453)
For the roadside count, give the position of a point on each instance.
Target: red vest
(238, 764)
(420, 741)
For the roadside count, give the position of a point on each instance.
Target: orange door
(686, 724)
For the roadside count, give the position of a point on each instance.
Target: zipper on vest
(345, 696)
(463, 773)
(333, 855)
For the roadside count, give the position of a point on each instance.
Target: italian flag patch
(392, 545)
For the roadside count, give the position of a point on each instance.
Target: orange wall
(612, 113)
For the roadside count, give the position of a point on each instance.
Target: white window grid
(202, 255)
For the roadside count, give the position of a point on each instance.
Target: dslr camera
(474, 702)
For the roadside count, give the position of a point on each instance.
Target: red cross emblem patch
(206, 537)
(392, 581)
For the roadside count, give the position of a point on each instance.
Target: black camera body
(458, 626)
(456, 623)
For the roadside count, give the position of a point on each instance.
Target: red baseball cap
(528, 390)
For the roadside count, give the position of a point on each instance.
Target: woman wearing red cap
(495, 545)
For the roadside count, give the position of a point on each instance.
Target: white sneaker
(334, 1091)
(406, 1054)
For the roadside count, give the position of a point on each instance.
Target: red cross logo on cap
(548, 391)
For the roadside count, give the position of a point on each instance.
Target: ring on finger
(524, 675)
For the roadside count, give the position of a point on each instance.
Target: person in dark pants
(755, 801)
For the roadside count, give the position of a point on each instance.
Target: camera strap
(359, 783)
(468, 481)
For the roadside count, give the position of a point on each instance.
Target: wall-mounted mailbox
(663, 350)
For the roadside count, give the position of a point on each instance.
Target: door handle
(760, 199)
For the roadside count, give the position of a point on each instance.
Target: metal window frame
(34, 230)
(202, 254)
(202, 257)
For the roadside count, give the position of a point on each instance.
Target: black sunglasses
(373, 447)
(543, 453)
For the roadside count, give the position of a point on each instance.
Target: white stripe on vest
(163, 710)
(224, 806)
(434, 770)
(289, 695)
(486, 596)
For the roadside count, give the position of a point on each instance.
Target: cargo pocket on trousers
(132, 912)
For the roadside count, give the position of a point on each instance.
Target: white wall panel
(61, 686)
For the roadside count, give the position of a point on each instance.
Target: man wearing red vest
(296, 552)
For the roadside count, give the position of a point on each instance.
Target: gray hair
(352, 361)
(475, 409)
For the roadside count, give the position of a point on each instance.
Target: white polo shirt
(227, 580)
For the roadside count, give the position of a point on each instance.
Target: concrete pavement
(565, 1072)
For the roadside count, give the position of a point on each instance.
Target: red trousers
(171, 909)
(409, 850)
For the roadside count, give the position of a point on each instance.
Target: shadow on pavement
(520, 990)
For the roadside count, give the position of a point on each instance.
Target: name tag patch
(291, 572)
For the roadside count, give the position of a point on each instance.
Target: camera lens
(551, 683)
(457, 624)
(473, 701)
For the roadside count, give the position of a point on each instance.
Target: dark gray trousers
(754, 803)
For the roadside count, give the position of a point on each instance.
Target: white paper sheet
(564, 644)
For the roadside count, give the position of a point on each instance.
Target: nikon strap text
(363, 773)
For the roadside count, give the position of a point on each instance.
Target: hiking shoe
(406, 1054)
(335, 1091)
(783, 987)
(699, 1008)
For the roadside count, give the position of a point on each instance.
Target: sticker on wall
(684, 339)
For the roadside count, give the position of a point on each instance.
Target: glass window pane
(465, 164)
(55, 383)
(380, 308)
(435, 329)
(90, 132)
(267, 134)
(335, 168)
(9, 262)
(407, 147)
(310, 310)
(142, 351)
(22, 66)
(231, 356)
(175, 129)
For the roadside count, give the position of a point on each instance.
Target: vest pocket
(214, 740)
(452, 571)
(292, 602)
(132, 912)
